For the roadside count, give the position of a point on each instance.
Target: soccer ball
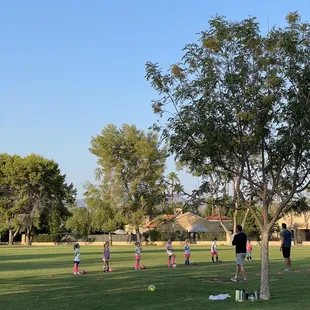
(143, 267)
(174, 265)
(83, 272)
(152, 288)
(111, 270)
(220, 261)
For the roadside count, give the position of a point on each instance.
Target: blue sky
(69, 68)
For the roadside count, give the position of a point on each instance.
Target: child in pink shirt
(249, 249)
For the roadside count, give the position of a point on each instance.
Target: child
(77, 258)
(106, 257)
(187, 251)
(138, 255)
(214, 251)
(249, 249)
(170, 253)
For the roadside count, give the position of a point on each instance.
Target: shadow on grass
(176, 288)
(184, 287)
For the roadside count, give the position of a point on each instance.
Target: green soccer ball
(152, 288)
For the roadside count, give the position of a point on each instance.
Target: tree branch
(245, 217)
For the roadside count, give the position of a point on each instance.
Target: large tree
(242, 112)
(103, 214)
(9, 209)
(79, 222)
(131, 166)
(36, 189)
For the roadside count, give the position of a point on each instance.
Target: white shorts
(169, 253)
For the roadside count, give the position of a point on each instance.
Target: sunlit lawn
(26, 282)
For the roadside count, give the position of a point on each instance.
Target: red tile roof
(216, 217)
(154, 223)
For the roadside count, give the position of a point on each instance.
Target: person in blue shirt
(286, 241)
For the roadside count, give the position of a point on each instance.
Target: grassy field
(41, 278)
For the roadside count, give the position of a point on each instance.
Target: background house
(299, 224)
(189, 223)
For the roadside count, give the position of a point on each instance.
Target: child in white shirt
(214, 251)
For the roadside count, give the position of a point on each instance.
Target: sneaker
(74, 273)
(233, 280)
(288, 269)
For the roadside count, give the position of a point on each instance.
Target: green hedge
(57, 238)
(208, 236)
(156, 235)
(44, 238)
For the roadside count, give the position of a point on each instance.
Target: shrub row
(53, 238)
(44, 238)
(152, 235)
(156, 235)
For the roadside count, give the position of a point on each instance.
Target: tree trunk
(28, 236)
(10, 237)
(138, 234)
(236, 208)
(110, 239)
(164, 203)
(245, 217)
(235, 218)
(295, 230)
(227, 231)
(264, 281)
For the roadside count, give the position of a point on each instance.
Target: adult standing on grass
(239, 242)
(286, 241)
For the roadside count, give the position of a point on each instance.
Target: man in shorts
(239, 242)
(286, 241)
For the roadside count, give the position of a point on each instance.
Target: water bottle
(256, 295)
(237, 294)
(241, 293)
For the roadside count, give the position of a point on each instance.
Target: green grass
(25, 281)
